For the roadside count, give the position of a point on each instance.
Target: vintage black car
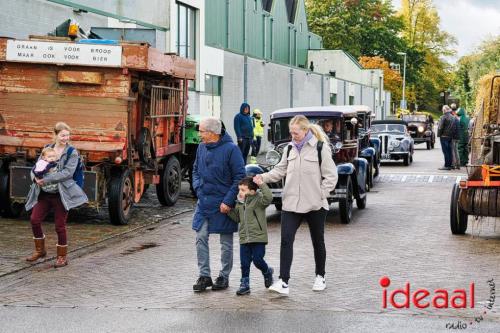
(421, 128)
(395, 141)
(369, 145)
(341, 126)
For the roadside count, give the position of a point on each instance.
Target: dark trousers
(290, 222)
(244, 145)
(46, 202)
(446, 146)
(256, 146)
(252, 252)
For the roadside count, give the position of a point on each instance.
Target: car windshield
(396, 128)
(332, 127)
(415, 118)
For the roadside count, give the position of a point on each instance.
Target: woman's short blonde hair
(306, 125)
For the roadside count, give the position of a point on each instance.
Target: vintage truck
(478, 195)
(126, 103)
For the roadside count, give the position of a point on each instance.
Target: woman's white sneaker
(280, 287)
(319, 283)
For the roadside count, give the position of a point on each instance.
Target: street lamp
(403, 100)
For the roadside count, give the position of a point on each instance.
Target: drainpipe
(227, 24)
(322, 92)
(291, 87)
(245, 78)
(244, 26)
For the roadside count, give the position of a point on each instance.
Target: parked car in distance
(421, 128)
(396, 142)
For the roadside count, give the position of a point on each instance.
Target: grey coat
(71, 194)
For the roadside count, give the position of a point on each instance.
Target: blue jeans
(252, 252)
(446, 146)
(203, 253)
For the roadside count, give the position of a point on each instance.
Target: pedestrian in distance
(57, 191)
(456, 138)
(250, 213)
(311, 175)
(217, 170)
(258, 131)
(445, 133)
(463, 142)
(244, 130)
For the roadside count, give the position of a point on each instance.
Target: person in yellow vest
(258, 132)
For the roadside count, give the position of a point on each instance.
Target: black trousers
(290, 222)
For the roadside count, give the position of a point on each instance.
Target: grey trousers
(454, 152)
(203, 253)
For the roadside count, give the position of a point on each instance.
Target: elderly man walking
(446, 129)
(217, 170)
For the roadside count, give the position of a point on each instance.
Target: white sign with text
(64, 53)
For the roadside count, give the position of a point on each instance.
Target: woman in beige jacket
(304, 197)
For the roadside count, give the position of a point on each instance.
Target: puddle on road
(139, 248)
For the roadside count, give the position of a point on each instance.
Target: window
(351, 100)
(213, 85)
(186, 31)
(333, 99)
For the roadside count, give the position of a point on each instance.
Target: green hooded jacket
(464, 124)
(251, 215)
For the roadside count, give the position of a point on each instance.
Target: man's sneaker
(202, 283)
(268, 277)
(319, 283)
(280, 287)
(244, 287)
(221, 283)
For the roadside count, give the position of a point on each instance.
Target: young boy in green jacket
(250, 212)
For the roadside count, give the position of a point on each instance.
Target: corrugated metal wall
(267, 35)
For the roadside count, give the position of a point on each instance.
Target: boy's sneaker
(319, 283)
(244, 287)
(280, 287)
(221, 283)
(268, 277)
(202, 283)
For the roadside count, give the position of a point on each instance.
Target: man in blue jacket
(243, 126)
(217, 170)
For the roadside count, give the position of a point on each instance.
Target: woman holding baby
(54, 189)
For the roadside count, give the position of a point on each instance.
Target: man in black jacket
(446, 130)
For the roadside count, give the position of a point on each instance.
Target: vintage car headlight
(273, 157)
(395, 143)
(421, 129)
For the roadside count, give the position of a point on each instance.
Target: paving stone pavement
(403, 234)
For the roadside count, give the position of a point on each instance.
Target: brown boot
(40, 249)
(62, 256)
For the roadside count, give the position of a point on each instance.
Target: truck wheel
(345, 204)
(278, 206)
(169, 188)
(120, 197)
(8, 209)
(429, 144)
(458, 217)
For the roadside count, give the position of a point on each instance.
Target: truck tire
(169, 188)
(406, 160)
(429, 144)
(120, 197)
(278, 206)
(458, 217)
(345, 204)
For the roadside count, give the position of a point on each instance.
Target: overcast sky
(470, 21)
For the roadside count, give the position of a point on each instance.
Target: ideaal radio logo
(406, 297)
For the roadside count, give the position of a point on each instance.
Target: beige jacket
(305, 190)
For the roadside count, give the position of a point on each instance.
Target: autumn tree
(392, 78)
(360, 27)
